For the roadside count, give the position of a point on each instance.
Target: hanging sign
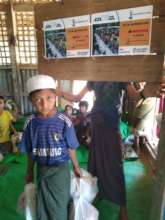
(122, 32)
(68, 37)
(78, 36)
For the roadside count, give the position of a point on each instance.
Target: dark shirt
(108, 100)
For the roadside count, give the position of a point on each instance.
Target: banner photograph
(54, 39)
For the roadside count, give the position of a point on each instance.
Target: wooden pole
(159, 186)
(13, 52)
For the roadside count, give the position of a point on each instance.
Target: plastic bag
(85, 211)
(83, 191)
(27, 202)
(86, 186)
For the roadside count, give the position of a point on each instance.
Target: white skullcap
(40, 82)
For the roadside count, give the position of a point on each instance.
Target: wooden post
(12, 39)
(159, 186)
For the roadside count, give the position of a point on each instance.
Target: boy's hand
(77, 171)
(21, 201)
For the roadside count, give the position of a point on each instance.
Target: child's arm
(76, 167)
(30, 170)
(12, 128)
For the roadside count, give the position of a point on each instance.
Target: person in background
(82, 113)
(105, 157)
(50, 141)
(82, 123)
(83, 108)
(69, 111)
(6, 127)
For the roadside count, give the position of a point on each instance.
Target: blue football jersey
(49, 139)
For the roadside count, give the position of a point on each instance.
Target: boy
(82, 124)
(6, 120)
(50, 141)
(83, 107)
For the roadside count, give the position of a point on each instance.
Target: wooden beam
(23, 7)
(7, 67)
(78, 7)
(28, 66)
(122, 68)
(4, 7)
(108, 67)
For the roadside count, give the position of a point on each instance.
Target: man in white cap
(50, 141)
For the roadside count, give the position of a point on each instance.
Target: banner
(68, 37)
(122, 32)
(112, 33)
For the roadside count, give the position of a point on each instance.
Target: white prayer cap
(40, 82)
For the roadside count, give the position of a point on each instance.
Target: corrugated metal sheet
(26, 106)
(7, 89)
(6, 85)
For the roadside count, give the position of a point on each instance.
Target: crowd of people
(81, 121)
(56, 45)
(107, 35)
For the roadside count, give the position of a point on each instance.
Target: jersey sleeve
(26, 144)
(71, 137)
(27, 121)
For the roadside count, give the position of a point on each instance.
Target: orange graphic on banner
(77, 38)
(135, 33)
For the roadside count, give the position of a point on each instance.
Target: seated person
(143, 119)
(82, 123)
(6, 120)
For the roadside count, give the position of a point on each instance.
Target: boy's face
(2, 105)
(44, 102)
(69, 110)
(83, 109)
